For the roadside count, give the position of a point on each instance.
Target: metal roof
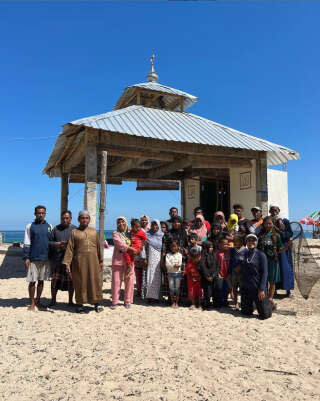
(168, 92)
(183, 127)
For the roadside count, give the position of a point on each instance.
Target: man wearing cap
(254, 225)
(83, 251)
(254, 273)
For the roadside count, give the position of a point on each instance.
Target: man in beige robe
(83, 252)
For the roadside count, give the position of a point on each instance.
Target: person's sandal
(80, 309)
(98, 308)
(113, 307)
(127, 306)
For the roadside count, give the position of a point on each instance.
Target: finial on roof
(152, 76)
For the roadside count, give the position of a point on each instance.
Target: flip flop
(98, 308)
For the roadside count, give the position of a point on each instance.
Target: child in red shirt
(193, 277)
(138, 239)
(223, 286)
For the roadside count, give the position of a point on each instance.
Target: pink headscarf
(202, 231)
(215, 219)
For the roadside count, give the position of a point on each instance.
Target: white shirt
(173, 259)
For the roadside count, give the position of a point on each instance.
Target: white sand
(154, 353)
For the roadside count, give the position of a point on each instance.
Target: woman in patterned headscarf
(121, 240)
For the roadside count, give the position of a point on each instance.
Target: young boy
(192, 242)
(222, 285)
(236, 256)
(193, 277)
(173, 265)
(138, 239)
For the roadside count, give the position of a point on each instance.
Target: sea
(18, 236)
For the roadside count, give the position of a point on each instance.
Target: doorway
(214, 196)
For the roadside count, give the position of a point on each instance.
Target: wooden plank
(163, 171)
(76, 158)
(66, 148)
(125, 165)
(64, 192)
(133, 154)
(103, 174)
(157, 185)
(221, 163)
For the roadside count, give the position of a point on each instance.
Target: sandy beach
(154, 353)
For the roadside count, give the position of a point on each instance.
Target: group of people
(202, 264)
(177, 261)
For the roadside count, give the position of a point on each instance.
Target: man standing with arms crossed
(35, 254)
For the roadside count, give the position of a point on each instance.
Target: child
(138, 239)
(222, 285)
(209, 269)
(215, 234)
(192, 242)
(173, 265)
(236, 256)
(270, 243)
(232, 227)
(193, 277)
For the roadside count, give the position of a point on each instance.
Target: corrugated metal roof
(168, 92)
(183, 127)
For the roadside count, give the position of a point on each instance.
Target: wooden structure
(149, 137)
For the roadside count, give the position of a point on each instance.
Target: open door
(214, 196)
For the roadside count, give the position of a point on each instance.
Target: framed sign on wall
(245, 180)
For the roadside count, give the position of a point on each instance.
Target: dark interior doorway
(214, 196)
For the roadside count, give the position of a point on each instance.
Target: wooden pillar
(262, 184)
(103, 175)
(90, 191)
(183, 199)
(64, 192)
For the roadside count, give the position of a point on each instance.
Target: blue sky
(253, 64)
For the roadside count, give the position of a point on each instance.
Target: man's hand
(27, 263)
(261, 295)
(68, 269)
(101, 266)
(289, 244)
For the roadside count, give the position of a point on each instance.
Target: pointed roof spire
(152, 76)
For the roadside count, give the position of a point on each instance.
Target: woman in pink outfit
(121, 240)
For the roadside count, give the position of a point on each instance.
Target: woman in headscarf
(220, 219)
(199, 228)
(177, 233)
(140, 262)
(153, 252)
(232, 228)
(145, 223)
(121, 240)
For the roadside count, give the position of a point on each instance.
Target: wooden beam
(64, 192)
(262, 185)
(133, 154)
(103, 174)
(90, 192)
(220, 163)
(175, 104)
(77, 155)
(66, 148)
(125, 165)
(153, 99)
(149, 144)
(163, 171)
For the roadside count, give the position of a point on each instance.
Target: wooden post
(64, 192)
(183, 199)
(90, 192)
(103, 175)
(262, 184)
